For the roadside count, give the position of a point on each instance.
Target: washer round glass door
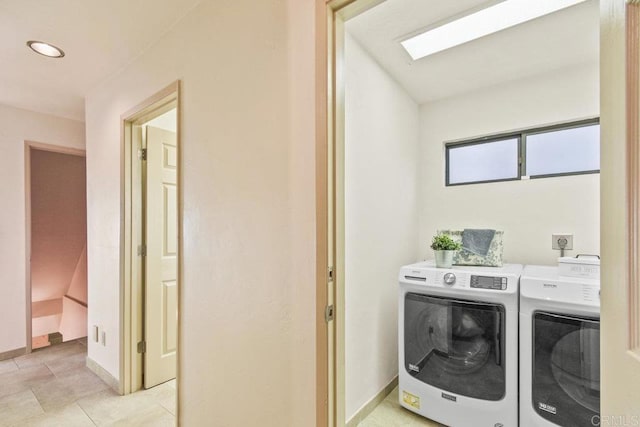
(455, 345)
(566, 368)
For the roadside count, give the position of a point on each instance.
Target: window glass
(562, 151)
(487, 161)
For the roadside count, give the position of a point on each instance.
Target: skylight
(506, 14)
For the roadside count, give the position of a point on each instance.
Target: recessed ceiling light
(487, 21)
(45, 49)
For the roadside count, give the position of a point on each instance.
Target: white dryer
(458, 344)
(559, 349)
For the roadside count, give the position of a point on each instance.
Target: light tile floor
(389, 413)
(52, 387)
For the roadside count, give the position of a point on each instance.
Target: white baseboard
(13, 353)
(368, 408)
(104, 375)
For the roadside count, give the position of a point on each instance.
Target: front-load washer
(559, 349)
(458, 344)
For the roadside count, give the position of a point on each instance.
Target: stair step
(55, 338)
(46, 308)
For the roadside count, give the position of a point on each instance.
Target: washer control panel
(489, 282)
(486, 280)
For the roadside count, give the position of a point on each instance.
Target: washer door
(455, 345)
(566, 368)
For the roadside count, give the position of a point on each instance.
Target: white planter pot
(444, 259)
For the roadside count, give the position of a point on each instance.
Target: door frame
(632, 12)
(330, 356)
(131, 234)
(29, 146)
(620, 209)
(620, 194)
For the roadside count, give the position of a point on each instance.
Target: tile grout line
(48, 362)
(85, 412)
(31, 388)
(55, 377)
(37, 400)
(49, 369)
(168, 411)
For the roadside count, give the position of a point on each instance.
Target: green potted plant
(444, 247)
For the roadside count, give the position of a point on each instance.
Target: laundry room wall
(16, 127)
(528, 211)
(381, 220)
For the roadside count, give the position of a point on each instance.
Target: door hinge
(142, 250)
(142, 154)
(142, 347)
(330, 274)
(329, 313)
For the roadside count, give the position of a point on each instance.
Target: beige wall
(381, 220)
(58, 223)
(301, 221)
(16, 126)
(247, 318)
(528, 211)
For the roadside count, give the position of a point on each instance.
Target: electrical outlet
(557, 241)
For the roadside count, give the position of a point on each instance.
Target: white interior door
(161, 290)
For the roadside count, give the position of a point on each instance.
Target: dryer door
(566, 369)
(455, 345)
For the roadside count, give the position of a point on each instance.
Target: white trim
(372, 404)
(330, 199)
(6, 355)
(104, 375)
(28, 147)
(131, 274)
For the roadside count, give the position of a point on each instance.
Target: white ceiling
(559, 40)
(98, 37)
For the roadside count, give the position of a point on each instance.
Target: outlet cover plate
(555, 238)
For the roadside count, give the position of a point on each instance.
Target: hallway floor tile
(52, 387)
